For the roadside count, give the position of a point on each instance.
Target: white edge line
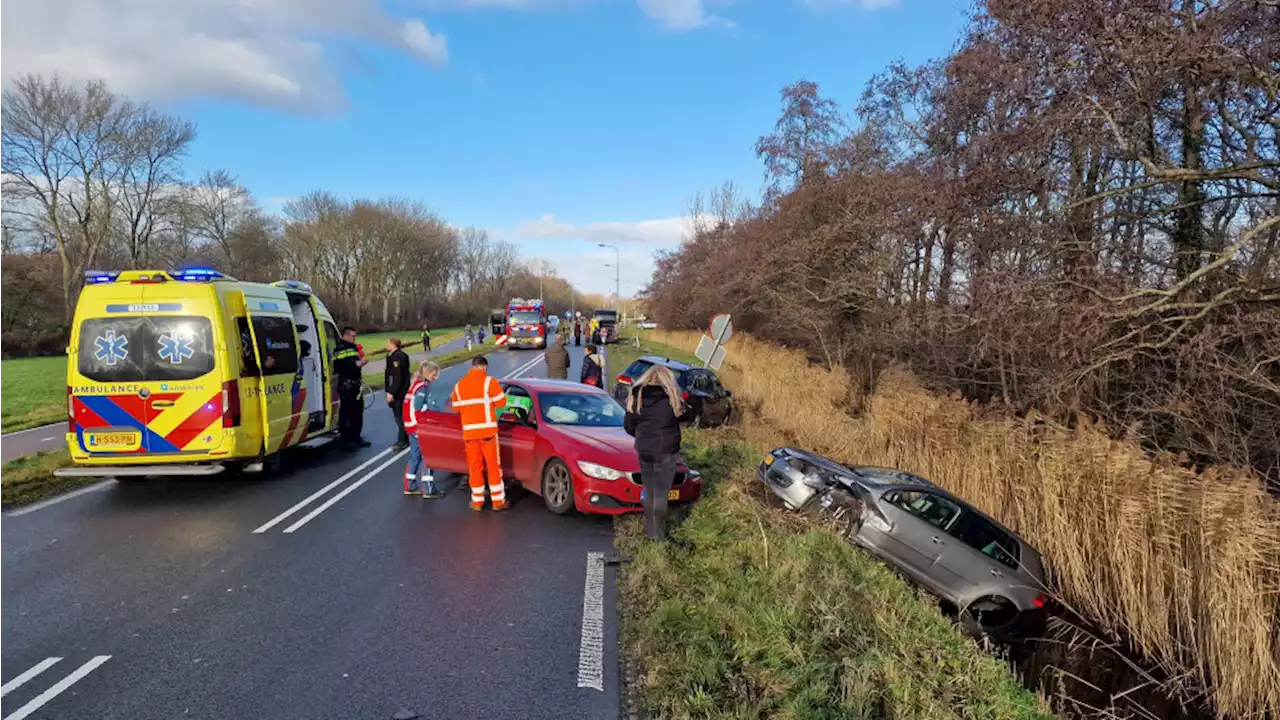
(345, 492)
(591, 648)
(103, 485)
(17, 682)
(313, 496)
(38, 701)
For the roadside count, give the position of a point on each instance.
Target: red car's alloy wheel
(557, 487)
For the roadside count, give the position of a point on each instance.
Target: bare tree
(62, 151)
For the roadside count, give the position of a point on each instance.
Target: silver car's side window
(933, 509)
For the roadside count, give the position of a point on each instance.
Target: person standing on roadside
(426, 338)
(478, 399)
(417, 476)
(592, 368)
(347, 364)
(653, 415)
(577, 332)
(396, 383)
(557, 357)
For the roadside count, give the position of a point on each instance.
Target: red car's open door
(440, 436)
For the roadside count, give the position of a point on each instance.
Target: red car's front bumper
(615, 497)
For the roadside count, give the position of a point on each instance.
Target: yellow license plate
(768, 459)
(113, 441)
(673, 495)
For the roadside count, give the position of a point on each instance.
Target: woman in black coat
(654, 408)
(592, 373)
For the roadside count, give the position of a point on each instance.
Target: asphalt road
(29, 442)
(162, 601)
(53, 437)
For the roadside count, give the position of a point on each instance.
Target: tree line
(93, 180)
(1075, 212)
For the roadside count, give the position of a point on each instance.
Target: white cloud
(574, 251)
(684, 15)
(259, 51)
(864, 4)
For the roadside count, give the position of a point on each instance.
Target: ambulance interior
(312, 366)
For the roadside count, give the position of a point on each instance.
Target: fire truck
(526, 323)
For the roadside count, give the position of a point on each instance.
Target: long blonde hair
(427, 371)
(661, 376)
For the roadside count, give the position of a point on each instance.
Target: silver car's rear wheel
(988, 615)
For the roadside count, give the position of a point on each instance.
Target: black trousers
(658, 473)
(350, 412)
(397, 406)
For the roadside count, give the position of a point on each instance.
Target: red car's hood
(611, 443)
(609, 446)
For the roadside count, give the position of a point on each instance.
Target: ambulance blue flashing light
(293, 285)
(198, 274)
(94, 277)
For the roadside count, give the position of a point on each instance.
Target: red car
(568, 446)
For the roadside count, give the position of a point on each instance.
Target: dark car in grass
(709, 403)
(993, 577)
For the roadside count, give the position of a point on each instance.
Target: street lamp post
(617, 278)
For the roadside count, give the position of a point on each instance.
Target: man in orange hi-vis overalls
(478, 399)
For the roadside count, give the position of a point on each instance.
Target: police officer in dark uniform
(347, 363)
(397, 383)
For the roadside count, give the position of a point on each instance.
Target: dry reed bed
(1183, 564)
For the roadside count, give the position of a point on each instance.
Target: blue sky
(553, 123)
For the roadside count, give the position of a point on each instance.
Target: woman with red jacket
(417, 476)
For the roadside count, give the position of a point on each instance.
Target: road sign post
(710, 350)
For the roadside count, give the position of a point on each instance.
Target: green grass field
(33, 392)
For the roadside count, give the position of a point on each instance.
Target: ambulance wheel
(557, 487)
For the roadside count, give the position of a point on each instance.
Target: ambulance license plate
(113, 440)
(673, 495)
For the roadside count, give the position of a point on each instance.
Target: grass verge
(768, 618)
(376, 379)
(34, 391)
(31, 478)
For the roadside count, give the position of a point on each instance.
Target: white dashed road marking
(316, 495)
(347, 490)
(57, 689)
(17, 682)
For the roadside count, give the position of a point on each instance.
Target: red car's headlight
(601, 472)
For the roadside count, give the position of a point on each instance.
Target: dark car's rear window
(142, 349)
(637, 368)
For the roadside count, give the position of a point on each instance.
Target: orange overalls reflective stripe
(478, 399)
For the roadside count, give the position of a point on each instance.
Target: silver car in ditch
(992, 576)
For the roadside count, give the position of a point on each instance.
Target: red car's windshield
(577, 408)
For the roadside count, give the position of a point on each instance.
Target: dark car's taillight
(624, 379)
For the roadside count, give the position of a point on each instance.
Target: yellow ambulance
(192, 372)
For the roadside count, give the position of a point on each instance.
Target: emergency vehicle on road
(193, 372)
(526, 323)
